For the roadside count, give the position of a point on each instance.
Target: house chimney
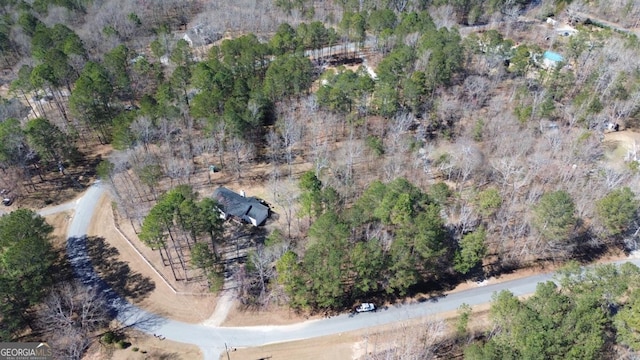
(242, 193)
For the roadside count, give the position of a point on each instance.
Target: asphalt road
(212, 340)
(51, 210)
(58, 208)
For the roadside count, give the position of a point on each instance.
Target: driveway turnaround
(211, 340)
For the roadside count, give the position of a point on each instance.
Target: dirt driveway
(620, 146)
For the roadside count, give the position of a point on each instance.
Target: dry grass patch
(334, 347)
(60, 223)
(358, 344)
(366, 342)
(270, 316)
(619, 145)
(144, 346)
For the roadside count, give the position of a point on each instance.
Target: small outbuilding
(247, 209)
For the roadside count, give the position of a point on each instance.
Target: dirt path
(613, 25)
(224, 304)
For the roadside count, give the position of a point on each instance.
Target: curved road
(211, 340)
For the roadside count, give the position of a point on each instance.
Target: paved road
(211, 340)
(58, 208)
(51, 210)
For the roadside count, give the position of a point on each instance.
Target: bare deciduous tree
(318, 141)
(70, 316)
(291, 131)
(397, 144)
(418, 342)
(285, 194)
(467, 159)
(612, 179)
(144, 131)
(262, 271)
(274, 147)
(477, 90)
(241, 153)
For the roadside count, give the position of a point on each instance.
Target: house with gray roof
(248, 209)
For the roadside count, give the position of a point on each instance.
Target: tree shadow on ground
(62, 270)
(436, 287)
(48, 186)
(432, 290)
(117, 273)
(592, 251)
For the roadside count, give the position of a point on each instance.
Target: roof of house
(242, 207)
(201, 35)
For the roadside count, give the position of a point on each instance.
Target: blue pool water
(553, 56)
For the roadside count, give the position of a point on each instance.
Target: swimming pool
(553, 56)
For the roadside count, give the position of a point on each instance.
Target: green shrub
(440, 193)
(375, 144)
(121, 344)
(109, 337)
(477, 130)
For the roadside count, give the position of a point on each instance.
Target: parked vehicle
(366, 307)
(7, 200)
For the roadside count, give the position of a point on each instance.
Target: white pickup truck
(365, 307)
